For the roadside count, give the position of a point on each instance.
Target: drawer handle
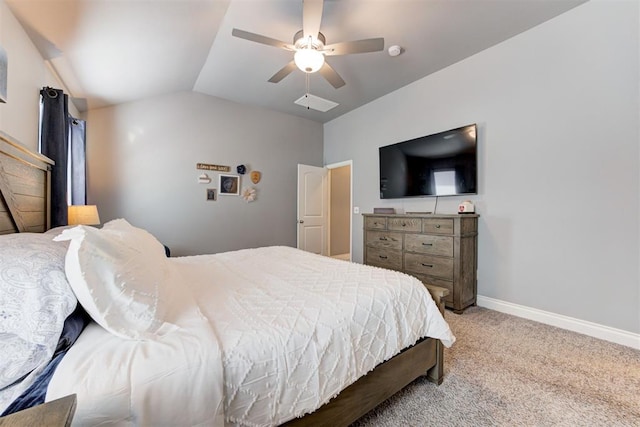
(404, 225)
(427, 265)
(437, 225)
(375, 223)
(427, 244)
(383, 238)
(383, 256)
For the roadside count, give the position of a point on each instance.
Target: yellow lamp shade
(83, 214)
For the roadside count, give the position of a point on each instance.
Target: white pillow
(57, 230)
(35, 300)
(118, 273)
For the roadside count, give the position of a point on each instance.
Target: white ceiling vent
(315, 102)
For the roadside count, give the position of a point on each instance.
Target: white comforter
(265, 335)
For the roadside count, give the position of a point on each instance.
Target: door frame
(335, 166)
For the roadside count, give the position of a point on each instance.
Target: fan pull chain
(306, 95)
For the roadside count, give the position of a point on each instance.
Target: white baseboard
(595, 330)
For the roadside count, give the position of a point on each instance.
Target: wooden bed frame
(25, 205)
(25, 181)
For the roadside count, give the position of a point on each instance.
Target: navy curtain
(62, 139)
(54, 143)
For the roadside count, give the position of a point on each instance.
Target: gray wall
(27, 73)
(557, 109)
(141, 162)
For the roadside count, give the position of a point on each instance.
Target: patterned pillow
(35, 300)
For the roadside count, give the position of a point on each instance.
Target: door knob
(301, 221)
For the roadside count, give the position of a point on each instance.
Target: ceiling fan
(310, 47)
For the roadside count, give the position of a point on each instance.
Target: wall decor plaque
(210, 167)
(228, 185)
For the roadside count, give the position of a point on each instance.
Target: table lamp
(83, 214)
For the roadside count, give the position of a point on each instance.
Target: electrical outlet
(356, 210)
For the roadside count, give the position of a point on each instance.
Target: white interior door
(312, 209)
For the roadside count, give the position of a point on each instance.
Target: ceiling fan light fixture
(308, 60)
(310, 46)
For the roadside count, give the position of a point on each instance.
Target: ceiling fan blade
(311, 18)
(358, 46)
(284, 72)
(331, 76)
(261, 39)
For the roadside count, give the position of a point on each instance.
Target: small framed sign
(211, 194)
(229, 185)
(209, 167)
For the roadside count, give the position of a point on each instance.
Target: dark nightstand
(57, 413)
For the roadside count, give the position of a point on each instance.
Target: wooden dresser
(439, 250)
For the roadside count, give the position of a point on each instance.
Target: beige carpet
(508, 371)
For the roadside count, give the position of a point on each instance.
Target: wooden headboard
(25, 183)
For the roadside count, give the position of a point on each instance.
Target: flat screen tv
(442, 164)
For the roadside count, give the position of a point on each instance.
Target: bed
(264, 336)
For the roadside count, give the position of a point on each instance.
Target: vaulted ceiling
(113, 51)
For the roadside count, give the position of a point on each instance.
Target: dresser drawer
(429, 244)
(384, 258)
(437, 225)
(429, 265)
(405, 224)
(375, 222)
(384, 240)
(447, 284)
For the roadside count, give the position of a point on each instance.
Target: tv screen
(442, 164)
